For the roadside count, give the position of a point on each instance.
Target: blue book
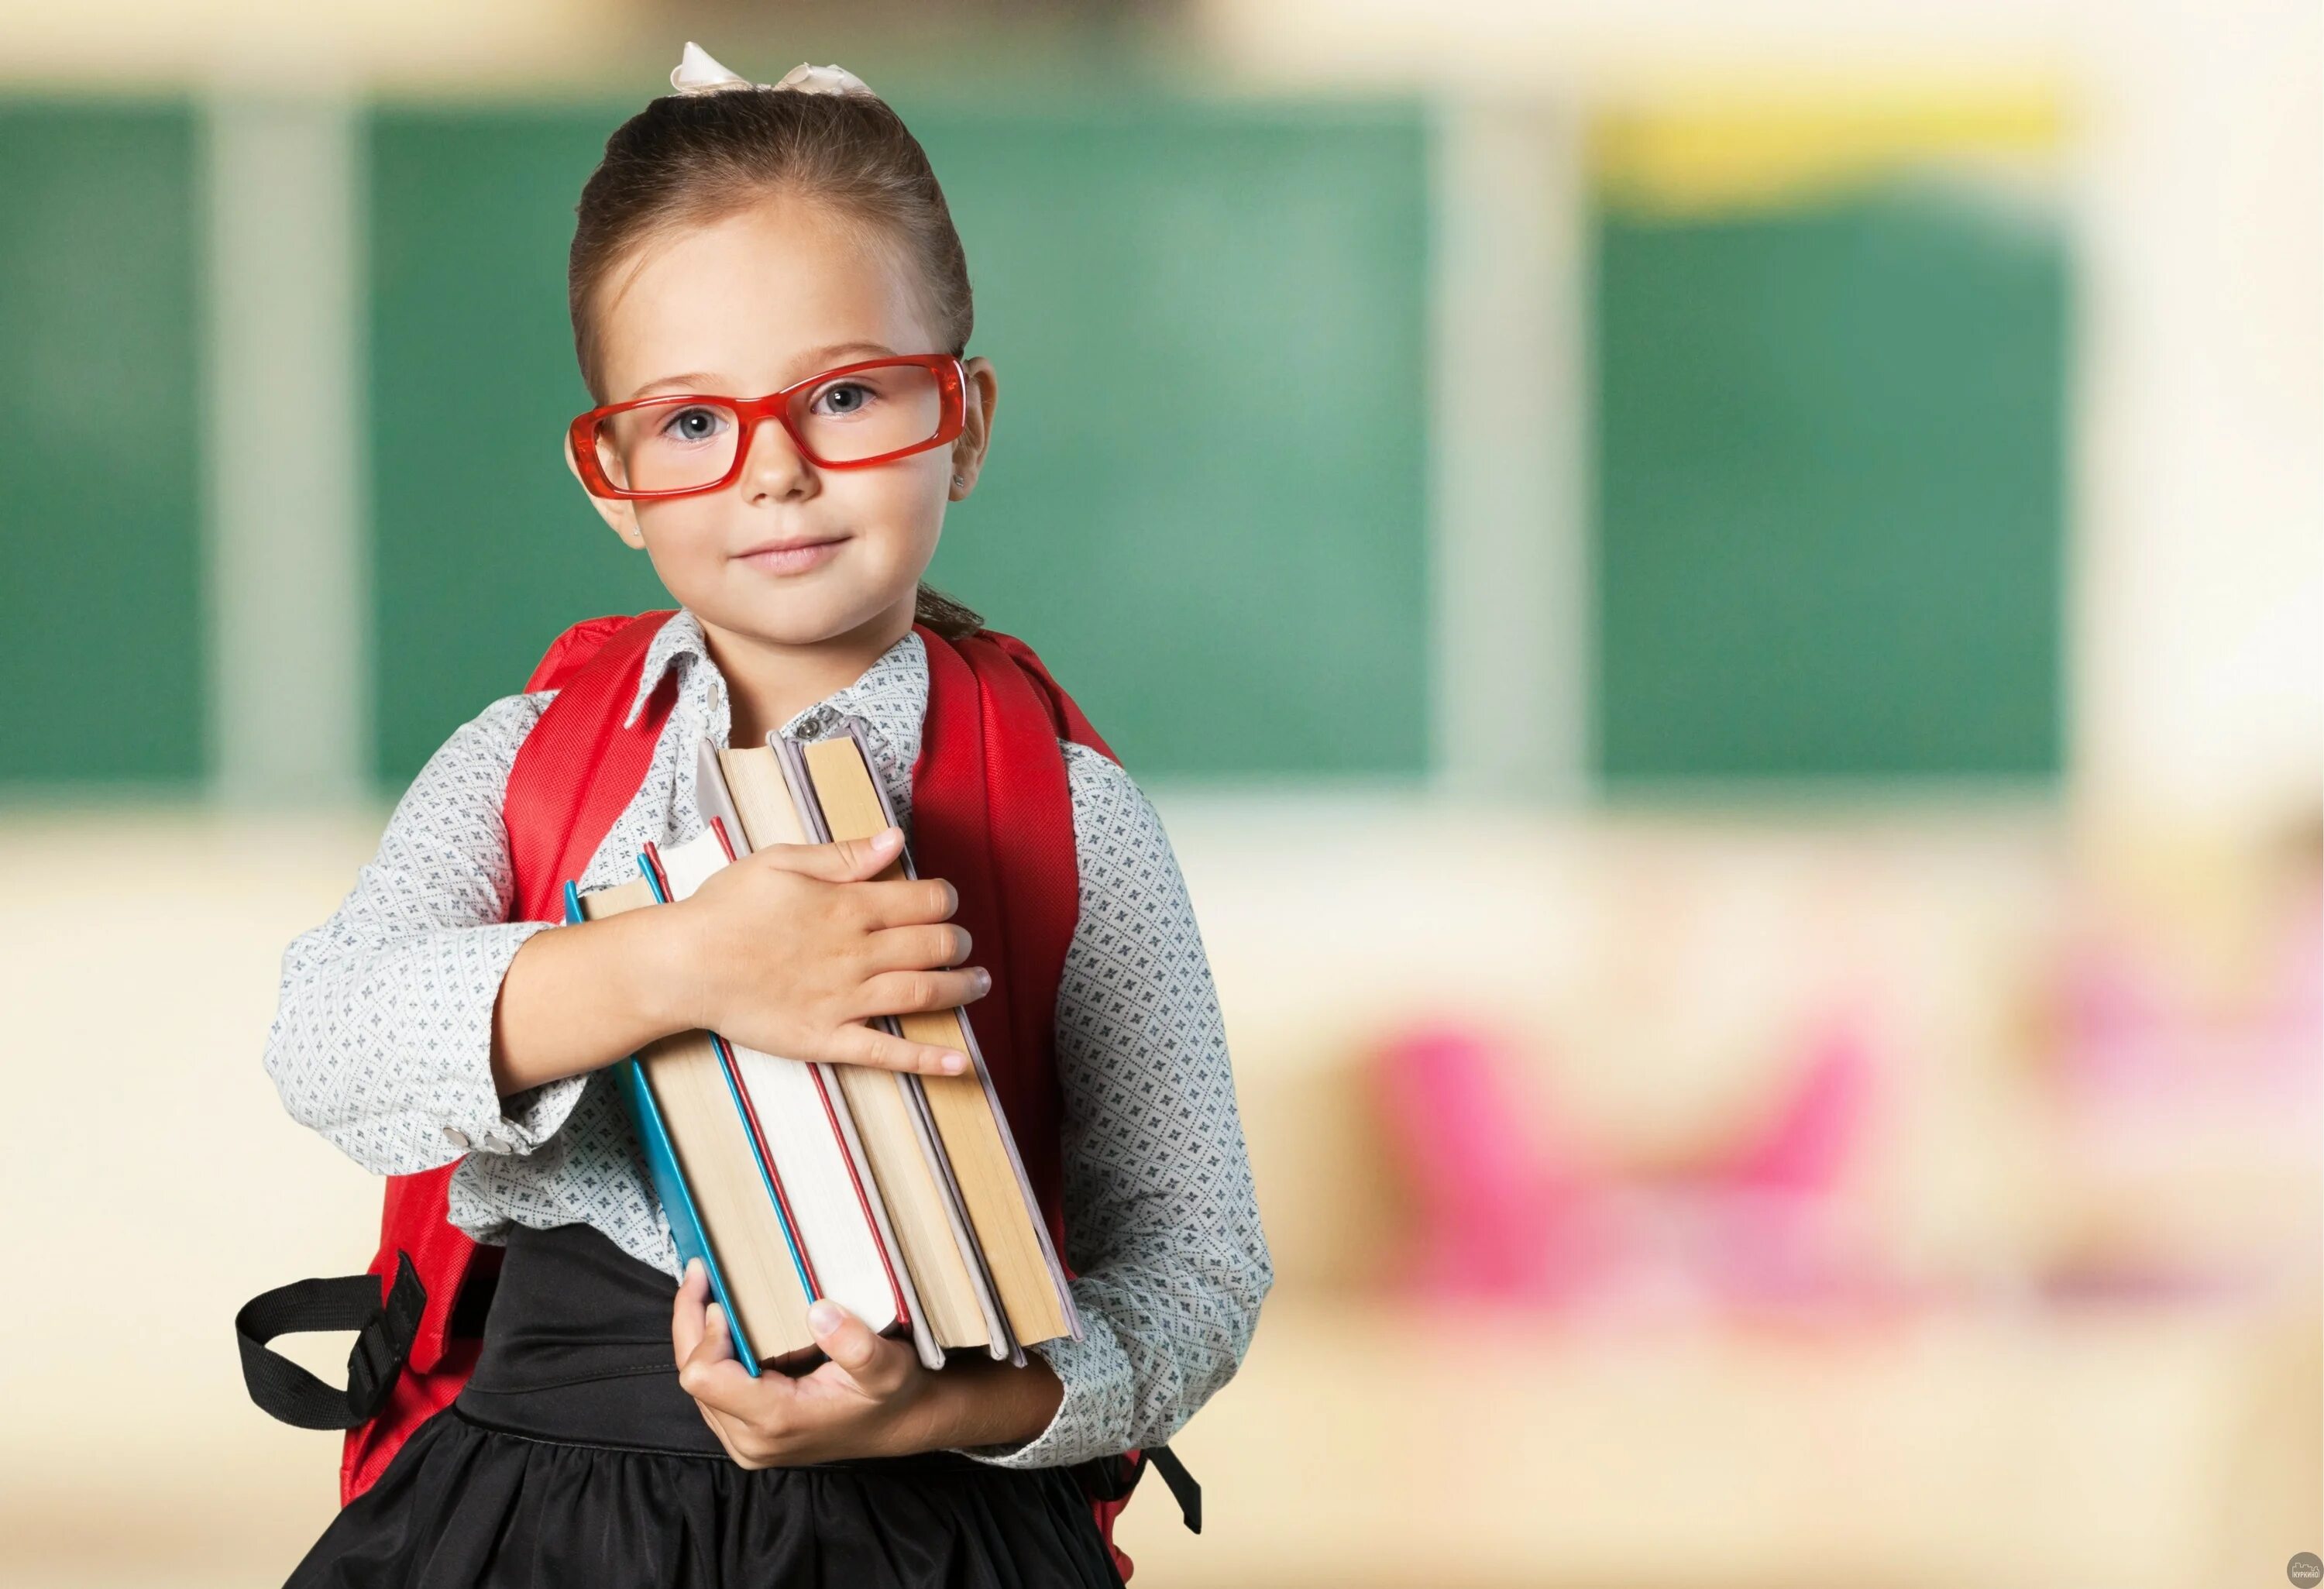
(758, 1272)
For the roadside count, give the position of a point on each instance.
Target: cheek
(896, 508)
(684, 533)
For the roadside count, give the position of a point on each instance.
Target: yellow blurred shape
(1722, 150)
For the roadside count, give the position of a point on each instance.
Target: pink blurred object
(1515, 1208)
(1806, 1144)
(2132, 1045)
(1499, 1199)
(1776, 1209)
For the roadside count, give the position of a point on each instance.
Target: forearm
(580, 997)
(979, 1401)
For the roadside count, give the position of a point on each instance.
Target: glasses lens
(866, 412)
(678, 445)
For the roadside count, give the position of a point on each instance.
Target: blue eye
(854, 397)
(693, 424)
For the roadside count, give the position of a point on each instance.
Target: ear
(982, 396)
(622, 515)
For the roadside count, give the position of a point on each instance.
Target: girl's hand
(792, 948)
(862, 1403)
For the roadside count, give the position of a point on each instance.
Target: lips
(792, 557)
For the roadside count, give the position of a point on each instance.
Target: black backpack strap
(1110, 1478)
(1182, 1485)
(349, 1302)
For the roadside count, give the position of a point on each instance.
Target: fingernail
(886, 835)
(823, 1317)
(693, 1268)
(983, 980)
(956, 1062)
(715, 1317)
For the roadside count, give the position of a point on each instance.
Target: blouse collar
(891, 695)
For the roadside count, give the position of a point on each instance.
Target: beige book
(721, 1166)
(944, 1291)
(1011, 1235)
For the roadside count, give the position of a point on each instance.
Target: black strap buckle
(348, 1302)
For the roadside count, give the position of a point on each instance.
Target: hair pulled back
(693, 159)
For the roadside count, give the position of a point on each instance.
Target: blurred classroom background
(1722, 601)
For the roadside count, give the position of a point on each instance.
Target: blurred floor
(1994, 1441)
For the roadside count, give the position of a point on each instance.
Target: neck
(769, 682)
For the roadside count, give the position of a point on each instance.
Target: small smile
(792, 557)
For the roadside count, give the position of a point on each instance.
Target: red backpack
(991, 810)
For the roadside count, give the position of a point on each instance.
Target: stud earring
(960, 479)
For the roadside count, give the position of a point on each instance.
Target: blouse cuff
(476, 1118)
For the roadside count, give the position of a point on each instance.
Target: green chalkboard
(100, 488)
(1831, 492)
(1206, 505)
(483, 547)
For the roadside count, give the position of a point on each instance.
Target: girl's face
(787, 554)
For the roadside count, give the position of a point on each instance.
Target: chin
(801, 618)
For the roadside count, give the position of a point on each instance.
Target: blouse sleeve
(1161, 1222)
(382, 1039)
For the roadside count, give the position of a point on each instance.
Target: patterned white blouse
(382, 1042)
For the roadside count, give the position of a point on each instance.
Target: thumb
(869, 857)
(845, 1338)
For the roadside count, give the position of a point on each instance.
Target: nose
(774, 467)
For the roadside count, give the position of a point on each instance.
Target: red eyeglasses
(847, 418)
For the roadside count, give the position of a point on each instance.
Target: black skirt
(573, 1457)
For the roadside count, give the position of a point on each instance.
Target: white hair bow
(697, 73)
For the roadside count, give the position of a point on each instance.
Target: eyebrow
(814, 358)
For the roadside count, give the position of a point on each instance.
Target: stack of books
(900, 1196)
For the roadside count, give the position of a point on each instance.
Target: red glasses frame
(951, 385)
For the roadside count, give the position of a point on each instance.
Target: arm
(578, 1000)
(384, 1038)
(419, 1024)
(1160, 1215)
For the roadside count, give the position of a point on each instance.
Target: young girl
(740, 239)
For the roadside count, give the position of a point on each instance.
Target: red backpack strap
(1071, 724)
(576, 772)
(581, 765)
(575, 646)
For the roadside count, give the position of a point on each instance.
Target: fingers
(846, 860)
(936, 945)
(883, 1050)
(724, 1431)
(892, 899)
(907, 902)
(687, 1323)
(712, 1376)
(705, 1358)
(904, 993)
(869, 857)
